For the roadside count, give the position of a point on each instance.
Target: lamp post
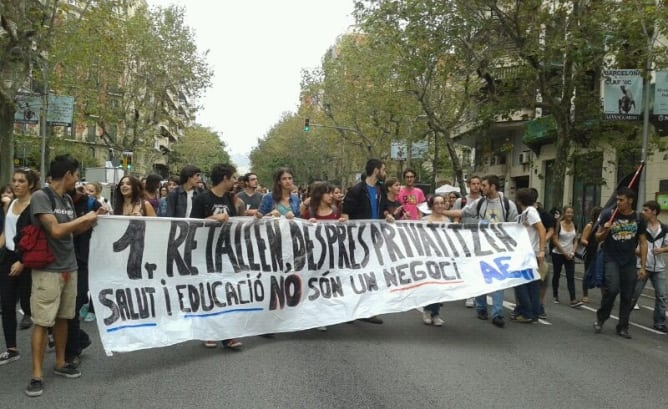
(42, 124)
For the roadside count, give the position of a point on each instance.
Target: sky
(257, 49)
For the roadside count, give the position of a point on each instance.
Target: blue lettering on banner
(499, 271)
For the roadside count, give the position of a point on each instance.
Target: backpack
(660, 236)
(33, 243)
(506, 207)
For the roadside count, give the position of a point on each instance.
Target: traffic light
(127, 160)
(307, 125)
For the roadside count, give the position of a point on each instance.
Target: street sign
(61, 110)
(28, 108)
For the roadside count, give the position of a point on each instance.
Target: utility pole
(42, 122)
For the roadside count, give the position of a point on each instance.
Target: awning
(540, 131)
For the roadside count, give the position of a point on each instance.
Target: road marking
(630, 322)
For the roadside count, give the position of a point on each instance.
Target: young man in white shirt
(528, 295)
(657, 244)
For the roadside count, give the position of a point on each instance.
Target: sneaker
(373, 320)
(35, 387)
(636, 307)
(26, 322)
(555, 300)
(426, 317)
(83, 311)
(9, 356)
(498, 321)
(210, 344)
(90, 317)
(231, 343)
(660, 327)
(437, 321)
(469, 303)
(585, 300)
(322, 329)
(542, 315)
(598, 327)
(524, 320)
(74, 362)
(576, 304)
(624, 333)
(67, 371)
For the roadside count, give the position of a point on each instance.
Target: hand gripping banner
(160, 281)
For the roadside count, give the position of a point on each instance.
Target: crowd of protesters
(67, 210)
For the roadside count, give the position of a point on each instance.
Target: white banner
(160, 281)
(622, 94)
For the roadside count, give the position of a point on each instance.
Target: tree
(425, 42)
(133, 73)
(201, 147)
(311, 156)
(557, 50)
(26, 27)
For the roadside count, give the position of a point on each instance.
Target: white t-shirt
(528, 218)
(655, 264)
(189, 201)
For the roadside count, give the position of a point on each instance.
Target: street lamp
(42, 124)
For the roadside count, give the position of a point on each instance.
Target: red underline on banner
(149, 324)
(426, 283)
(212, 314)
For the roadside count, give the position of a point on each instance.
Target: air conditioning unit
(524, 158)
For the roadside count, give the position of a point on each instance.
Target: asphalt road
(559, 363)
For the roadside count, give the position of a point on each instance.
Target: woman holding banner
(437, 204)
(129, 201)
(280, 201)
(321, 205)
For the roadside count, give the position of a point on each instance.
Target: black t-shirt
(546, 218)
(395, 208)
(208, 204)
(82, 205)
(620, 244)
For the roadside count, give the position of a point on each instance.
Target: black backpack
(660, 236)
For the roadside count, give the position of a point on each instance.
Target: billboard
(622, 94)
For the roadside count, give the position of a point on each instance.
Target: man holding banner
(621, 232)
(366, 200)
(54, 287)
(218, 203)
(493, 207)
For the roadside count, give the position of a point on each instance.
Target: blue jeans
(528, 299)
(618, 280)
(434, 309)
(497, 303)
(659, 283)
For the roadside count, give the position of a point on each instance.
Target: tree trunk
(561, 160)
(6, 142)
(456, 164)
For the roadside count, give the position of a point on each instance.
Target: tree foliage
(201, 147)
(129, 68)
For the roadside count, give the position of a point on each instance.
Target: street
(557, 363)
